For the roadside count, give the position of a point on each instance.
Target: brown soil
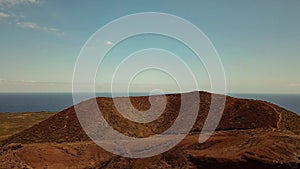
(251, 134)
(245, 149)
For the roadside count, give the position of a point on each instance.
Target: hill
(251, 134)
(239, 114)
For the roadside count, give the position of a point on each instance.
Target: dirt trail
(279, 115)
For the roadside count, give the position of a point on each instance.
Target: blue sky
(258, 41)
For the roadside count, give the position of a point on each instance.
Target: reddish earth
(251, 134)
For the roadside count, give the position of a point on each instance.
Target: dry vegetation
(12, 123)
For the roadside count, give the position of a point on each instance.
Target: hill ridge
(239, 114)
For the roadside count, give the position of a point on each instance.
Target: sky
(257, 41)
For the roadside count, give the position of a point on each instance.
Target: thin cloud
(27, 82)
(3, 15)
(35, 26)
(294, 85)
(17, 2)
(109, 42)
(26, 25)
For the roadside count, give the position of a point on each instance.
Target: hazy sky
(258, 42)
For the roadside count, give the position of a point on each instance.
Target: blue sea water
(36, 102)
(288, 101)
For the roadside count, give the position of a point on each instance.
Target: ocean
(288, 101)
(52, 102)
